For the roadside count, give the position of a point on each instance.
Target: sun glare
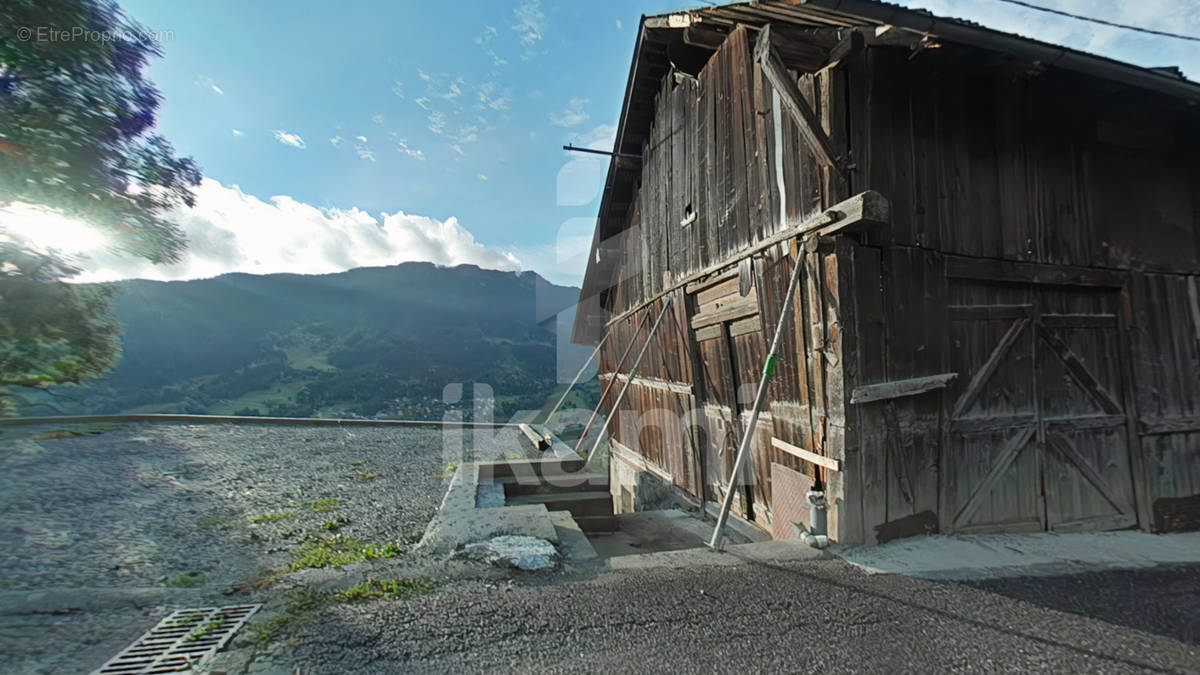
(44, 229)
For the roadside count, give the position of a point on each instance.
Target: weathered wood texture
(1044, 246)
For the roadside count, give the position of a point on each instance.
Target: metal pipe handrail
(204, 419)
(767, 372)
(629, 381)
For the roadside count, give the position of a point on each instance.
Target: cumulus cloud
(236, 132)
(364, 153)
(293, 140)
(482, 177)
(231, 231)
(571, 116)
(335, 141)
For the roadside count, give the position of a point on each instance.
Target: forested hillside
(372, 342)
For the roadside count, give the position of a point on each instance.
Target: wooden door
(726, 329)
(1038, 432)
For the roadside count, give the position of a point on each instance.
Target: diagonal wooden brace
(793, 101)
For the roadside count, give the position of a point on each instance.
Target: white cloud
(619, 24)
(437, 122)
(293, 140)
(207, 83)
(530, 25)
(457, 148)
(424, 75)
(236, 132)
(482, 177)
(582, 176)
(454, 89)
(423, 102)
(364, 153)
(230, 231)
(571, 116)
(484, 40)
(377, 118)
(398, 88)
(402, 146)
(335, 141)
(490, 99)
(361, 139)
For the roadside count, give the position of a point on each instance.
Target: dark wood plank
(911, 387)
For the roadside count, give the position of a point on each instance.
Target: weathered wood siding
(988, 163)
(1055, 218)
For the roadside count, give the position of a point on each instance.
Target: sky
(342, 134)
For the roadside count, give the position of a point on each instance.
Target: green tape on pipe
(769, 366)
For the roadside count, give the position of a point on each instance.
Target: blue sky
(441, 123)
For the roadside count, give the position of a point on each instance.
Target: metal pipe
(759, 398)
(576, 380)
(608, 387)
(629, 381)
(575, 148)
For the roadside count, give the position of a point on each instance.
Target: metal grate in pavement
(180, 641)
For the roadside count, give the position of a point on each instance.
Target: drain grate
(180, 641)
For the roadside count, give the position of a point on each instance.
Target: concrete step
(597, 524)
(578, 503)
(489, 471)
(574, 482)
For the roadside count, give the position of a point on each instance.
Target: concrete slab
(572, 542)
(1019, 555)
(652, 532)
(458, 522)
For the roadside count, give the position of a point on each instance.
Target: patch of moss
(385, 589)
(338, 551)
(323, 505)
(301, 606)
(272, 517)
(187, 579)
(206, 629)
(451, 468)
(335, 524)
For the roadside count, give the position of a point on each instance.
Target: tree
(76, 115)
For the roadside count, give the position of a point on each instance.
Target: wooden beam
(861, 212)
(793, 101)
(810, 457)
(539, 441)
(990, 269)
(884, 391)
(652, 383)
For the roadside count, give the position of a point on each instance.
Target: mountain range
(369, 342)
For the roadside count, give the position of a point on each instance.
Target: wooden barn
(996, 325)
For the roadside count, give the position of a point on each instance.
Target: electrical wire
(1103, 22)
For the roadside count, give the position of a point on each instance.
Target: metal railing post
(576, 380)
(632, 376)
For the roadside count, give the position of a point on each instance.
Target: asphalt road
(818, 616)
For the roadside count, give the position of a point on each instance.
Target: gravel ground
(179, 515)
(821, 616)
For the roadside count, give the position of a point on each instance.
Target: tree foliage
(76, 114)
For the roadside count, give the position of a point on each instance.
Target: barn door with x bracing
(1037, 435)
